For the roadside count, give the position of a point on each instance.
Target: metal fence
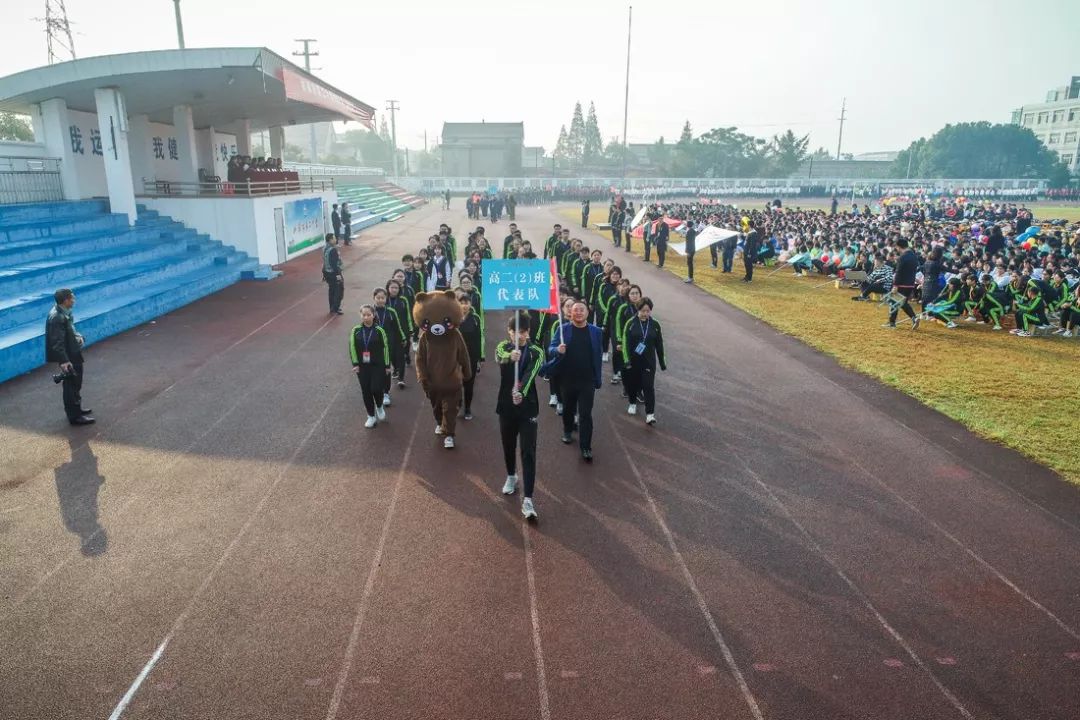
(170, 188)
(30, 180)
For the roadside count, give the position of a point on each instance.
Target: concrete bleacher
(373, 204)
(122, 276)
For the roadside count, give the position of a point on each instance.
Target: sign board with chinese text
(304, 225)
(517, 284)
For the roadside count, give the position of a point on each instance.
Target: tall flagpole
(626, 99)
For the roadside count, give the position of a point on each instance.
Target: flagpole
(517, 331)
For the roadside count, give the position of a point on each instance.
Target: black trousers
(641, 380)
(907, 292)
(661, 252)
(347, 233)
(648, 249)
(584, 220)
(468, 385)
(872, 287)
(372, 386)
(73, 391)
(689, 265)
(748, 263)
(729, 258)
(616, 237)
(513, 430)
(336, 288)
(577, 396)
(626, 244)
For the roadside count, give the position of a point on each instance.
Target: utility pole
(393, 107)
(626, 98)
(840, 140)
(179, 24)
(307, 54)
(57, 31)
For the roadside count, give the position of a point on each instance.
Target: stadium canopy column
(243, 137)
(184, 124)
(55, 135)
(277, 142)
(113, 124)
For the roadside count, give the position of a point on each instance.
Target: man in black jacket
(335, 220)
(331, 272)
(904, 283)
(691, 247)
(64, 346)
(346, 223)
(750, 251)
(661, 240)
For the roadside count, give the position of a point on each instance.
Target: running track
(792, 541)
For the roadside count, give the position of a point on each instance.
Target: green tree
(821, 154)
(576, 138)
(293, 153)
(684, 159)
(787, 152)
(15, 127)
(368, 147)
(978, 150)
(562, 147)
(726, 152)
(615, 153)
(593, 144)
(660, 156)
(687, 135)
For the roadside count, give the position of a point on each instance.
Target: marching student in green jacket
(387, 318)
(611, 322)
(544, 337)
(509, 240)
(624, 312)
(472, 330)
(549, 244)
(369, 350)
(575, 268)
(608, 291)
(643, 350)
(591, 277)
(400, 304)
(517, 407)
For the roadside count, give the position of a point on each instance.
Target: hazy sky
(764, 66)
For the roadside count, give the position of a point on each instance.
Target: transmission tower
(58, 31)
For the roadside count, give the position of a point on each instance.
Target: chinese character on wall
(174, 150)
(159, 148)
(95, 141)
(76, 139)
(224, 152)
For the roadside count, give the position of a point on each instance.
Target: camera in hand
(59, 377)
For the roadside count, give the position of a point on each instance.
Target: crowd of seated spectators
(242, 167)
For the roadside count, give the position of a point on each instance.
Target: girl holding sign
(519, 363)
(369, 350)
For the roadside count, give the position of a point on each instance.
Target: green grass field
(1021, 392)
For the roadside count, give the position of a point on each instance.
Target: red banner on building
(304, 89)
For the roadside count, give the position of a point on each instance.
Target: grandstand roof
(221, 85)
(464, 131)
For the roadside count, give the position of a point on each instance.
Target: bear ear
(422, 296)
(450, 294)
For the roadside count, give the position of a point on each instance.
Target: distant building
(1056, 122)
(884, 156)
(482, 149)
(532, 158)
(843, 169)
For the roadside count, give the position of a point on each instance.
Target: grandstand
(372, 204)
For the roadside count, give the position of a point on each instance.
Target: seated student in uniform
(947, 308)
(991, 304)
(1030, 313)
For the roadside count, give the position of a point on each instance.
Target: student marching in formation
(548, 328)
(472, 329)
(369, 350)
(643, 350)
(623, 312)
(401, 304)
(518, 406)
(388, 319)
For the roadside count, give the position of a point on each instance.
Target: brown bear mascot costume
(442, 359)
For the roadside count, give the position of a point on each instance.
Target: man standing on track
(331, 272)
(575, 353)
(618, 219)
(335, 220)
(64, 346)
(750, 251)
(346, 223)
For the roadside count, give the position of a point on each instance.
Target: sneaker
(1043, 327)
(567, 438)
(688, 280)
(1059, 331)
(438, 430)
(616, 378)
(510, 485)
(1015, 331)
(448, 443)
(951, 325)
(527, 509)
(858, 298)
(415, 346)
(889, 326)
(371, 421)
(586, 455)
(401, 384)
(380, 413)
(631, 409)
(970, 318)
(553, 401)
(915, 323)
(468, 415)
(650, 419)
(1067, 333)
(386, 399)
(606, 357)
(996, 327)
(558, 408)
(1023, 333)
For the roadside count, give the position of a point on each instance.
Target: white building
(1056, 122)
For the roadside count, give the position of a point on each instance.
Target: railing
(30, 180)
(317, 169)
(171, 188)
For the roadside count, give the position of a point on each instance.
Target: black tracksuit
(473, 332)
(639, 368)
(691, 248)
(750, 250)
(332, 276)
(369, 350)
(519, 421)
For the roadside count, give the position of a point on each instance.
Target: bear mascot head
(437, 313)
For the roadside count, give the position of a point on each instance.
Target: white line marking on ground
(179, 623)
(974, 555)
(369, 584)
(119, 710)
(893, 633)
(179, 457)
(729, 658)
(534, 616)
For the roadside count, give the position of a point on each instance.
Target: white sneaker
(527, 509)
(558, 408)
(448, 443)
(380, 413)
(415, 346)
(970, 318)
(1023, 333)
(650, 419)
(371, 421)
(606, 357)
(386, 399)
(553, 401)
(616, 378)
(1067, 333)
(996, 327)
(951, 325)
(438, 430)
(1059, 331)
(631, 409)
(510, 485)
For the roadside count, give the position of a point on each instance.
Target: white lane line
(729, 658)
(857, 591)
(179, 623)
(179, 457)
(369, 584)
(119, 710)
(974, 555)
(534, 615)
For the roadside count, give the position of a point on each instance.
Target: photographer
(64, 346)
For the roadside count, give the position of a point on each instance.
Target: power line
(840, 139)
(307, 54)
